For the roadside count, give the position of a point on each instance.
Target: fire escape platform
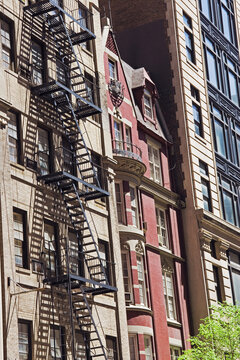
(59, 177)
(53, 91)
(96, 289)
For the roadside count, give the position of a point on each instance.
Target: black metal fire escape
(74, 100)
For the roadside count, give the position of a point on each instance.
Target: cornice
(162, 194)
(130, 233)
(218, 229)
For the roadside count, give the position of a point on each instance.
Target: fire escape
(73, 100)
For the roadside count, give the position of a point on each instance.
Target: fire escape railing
(73, 97)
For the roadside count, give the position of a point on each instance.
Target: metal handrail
(127, 149)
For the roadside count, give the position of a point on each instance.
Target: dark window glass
(229, 200)
(206, 8)
(111, 345)
(212, 68)
(43, 151)
(197, 119)
(57, 343)
(206, 195)
(189, 46)
(217, 284)
(187, 20)
(235, 129)
(234, 267)
(195, 93)
(203, 168)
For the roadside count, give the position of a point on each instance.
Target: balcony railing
(127, 149)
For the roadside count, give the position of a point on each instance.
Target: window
(118, 135)
(162, 227)
(111, 345)
(127, 278)
(148, 108)
(169, 295)
(68, 158)
(6, 43)
(231, 71)
(229, 193)
(14, 138)
(128, 139)
(37, 63)
(235, 134)
(80, 346)
(20, 241)
(195, 93)
(148, 347)
(50, 247)
(189, 38)
(217, 285)
(103, 249)
(133, 347)
(221, 14)
(97, 165)
(197, 117)
(213, 63)
(175, 352)
(89, 80)
(220, 127)
(24, 340)
(120, 202)
(141, 280)
(207, 202)
(57, 343)
(75, 254)
(62, 71)
(44, 151)
(155, 163)
(112, 68)
(134, 206)
(234, 268)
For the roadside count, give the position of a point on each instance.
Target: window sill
(140, 308)
(11, 72)
(21, 270)
(191, 64)
(201, 139)
(88, 52)
(17, 166)
(174, 323)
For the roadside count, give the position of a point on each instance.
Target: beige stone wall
(19, 188)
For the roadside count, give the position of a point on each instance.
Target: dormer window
(112, 66)
(148, 108)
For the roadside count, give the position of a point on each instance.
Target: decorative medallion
(139, 247)
(116, 90)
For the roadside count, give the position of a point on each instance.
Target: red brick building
(147, 212)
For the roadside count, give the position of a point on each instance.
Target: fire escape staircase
(75, 190)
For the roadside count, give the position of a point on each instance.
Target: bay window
(148, 347)
(133, 347)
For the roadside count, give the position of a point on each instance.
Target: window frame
(217, 283)
(29, 335)
(120, 204)
(114, 348)
(11, 49)
(128, 276)
(234, 267)
(134, 205)
(51, 253)
(152, 163)
(149, 339)
(112, 72)
(189, 38)
(141, 281)
(233, 193)
(169, 273)
(61, 330)
(205, 183)
(159, 210)
(18, 139)
(49, 151)
(148, 108)
(135, 346)
(42, 68)
(106, 260)
(25, 250)
(175, 348)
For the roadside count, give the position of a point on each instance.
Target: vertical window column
(20, 241)
(127, 276)
(141, 280)
(14, 138)
(24, 340)
(189, 38)
(6, 44)
(207, 201)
